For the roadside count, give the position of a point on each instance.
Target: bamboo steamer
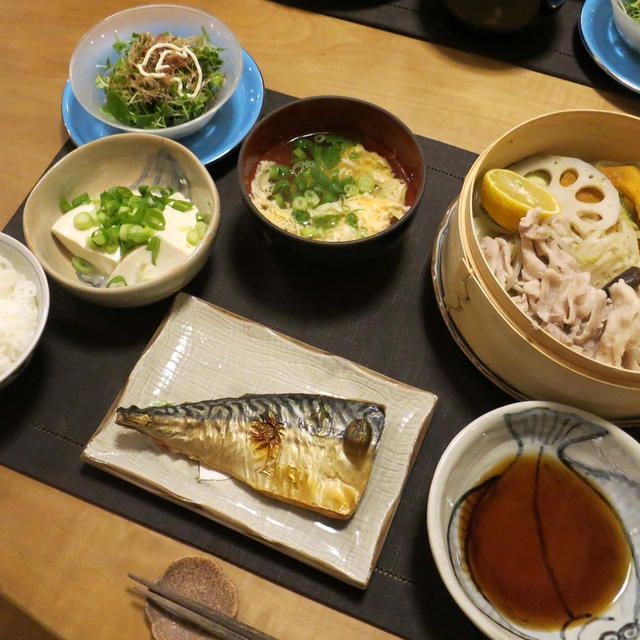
(513, 349)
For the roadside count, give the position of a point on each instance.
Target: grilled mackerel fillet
(310, 450)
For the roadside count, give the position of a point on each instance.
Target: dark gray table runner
(551, 45)
(381, 314)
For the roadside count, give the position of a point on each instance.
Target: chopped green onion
(279, 171)
(300, 202)
(155, 219)
(351, 219)
(327, 197)
(65, 205)
(83, 221)
(81, 199)
(274, 174)
(123, 232)
(136, 236)
(117, 281)
(299, 153)
(351, 190)
(331, 157)
(300, 216)
(154, 246)
(279, 200)
(281, 185)
(307, 232)
(366, 183)
(326, 221)
(321, 178)
(98, 238)
(181, 205)
(303, 143)
(82, 266)
(201, 228)
(298, 167)
(193, 237)
(312, 197)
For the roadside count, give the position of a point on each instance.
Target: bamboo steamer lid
(504, 338)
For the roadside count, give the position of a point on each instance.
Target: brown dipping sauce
(542, 544)
(281, 154)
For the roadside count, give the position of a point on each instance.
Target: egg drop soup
(331, 187)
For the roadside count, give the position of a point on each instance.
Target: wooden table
(63, 562)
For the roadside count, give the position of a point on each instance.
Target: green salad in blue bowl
(163, 69)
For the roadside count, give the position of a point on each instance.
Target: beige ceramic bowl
(129, 160)
(524, 359)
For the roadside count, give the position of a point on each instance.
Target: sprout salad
(161, 81)
(632, 7)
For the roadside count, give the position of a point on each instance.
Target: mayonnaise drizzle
(159, 71)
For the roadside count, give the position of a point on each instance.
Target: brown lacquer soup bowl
(332, 178)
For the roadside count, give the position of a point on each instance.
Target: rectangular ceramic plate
(202, 352)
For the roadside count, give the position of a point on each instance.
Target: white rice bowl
(24, 306)
(18, 313)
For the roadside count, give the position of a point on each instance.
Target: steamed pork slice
(621, 330)
(559, 297)
(310, 450)
(503, 260)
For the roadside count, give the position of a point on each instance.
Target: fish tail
(544, 426)
(148, 418)
(132, 417)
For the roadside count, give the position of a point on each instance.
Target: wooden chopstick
(208, 619)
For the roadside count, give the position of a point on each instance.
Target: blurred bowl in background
(96, 46)
(500, 16)
(26, 265)
(128, 160)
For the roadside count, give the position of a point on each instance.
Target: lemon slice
(507, 196)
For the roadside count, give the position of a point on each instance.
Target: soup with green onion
(329, 187)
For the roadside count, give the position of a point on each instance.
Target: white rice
(18, 313)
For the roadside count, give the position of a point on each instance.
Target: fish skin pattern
(310, 450)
